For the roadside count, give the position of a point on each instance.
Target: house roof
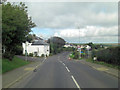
(39, 42)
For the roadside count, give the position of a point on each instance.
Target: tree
(16, 25)
(56, 44)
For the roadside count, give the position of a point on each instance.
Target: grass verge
(10, 65)
(103, 63)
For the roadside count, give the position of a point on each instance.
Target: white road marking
(63, 64)
(67, 69)
(43, 61)
(60, 61)
(75, 82)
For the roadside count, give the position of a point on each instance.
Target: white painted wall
(40, 49)
(67, 46)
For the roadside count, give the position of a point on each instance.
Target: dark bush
(109, 55)
(31, 54)
(8, 55)
(50, 54)
(42, 55)
(76, 55)
(19, 50)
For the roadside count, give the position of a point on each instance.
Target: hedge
(109, 55)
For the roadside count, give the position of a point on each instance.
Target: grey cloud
(65, 15)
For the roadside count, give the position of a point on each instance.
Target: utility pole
(79, 42)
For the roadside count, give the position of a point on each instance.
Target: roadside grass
(0, 66)
(72, 57)
(103, 63)
(10, 65)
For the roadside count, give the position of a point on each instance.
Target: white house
(67, 45)
(38, 47)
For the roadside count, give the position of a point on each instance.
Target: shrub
(8, 55)
(109, 55)
(31, 54)
(19, 50)
(42, 55)
(76, 55)
(50, 54)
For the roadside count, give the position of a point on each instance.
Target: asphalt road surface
(59, 72)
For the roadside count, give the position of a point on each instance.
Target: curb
(19, 78)
(105, 71)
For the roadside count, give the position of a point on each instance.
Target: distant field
(108, 44)
(104, 44)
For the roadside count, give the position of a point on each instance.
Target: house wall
(40, 49)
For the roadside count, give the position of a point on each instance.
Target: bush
(19, 50)
(42, 55)
(109, 55)
(76, 55)
(31, 54)
(50, 54)
(8, 55)
(71, 55)
(68, 48)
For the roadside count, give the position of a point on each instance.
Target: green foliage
(56, 44)
(31, 37)
(76, 55)
(109, 55)
(71, 55)
(16, 25)
(57, 40)
(42, 55)
(104, 63)
(19, 50)
(10, 65)
(31, 54)
(51, 54)
(55, 48)
(8, 55)
(68, 48)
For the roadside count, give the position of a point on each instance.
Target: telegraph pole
(79, 42)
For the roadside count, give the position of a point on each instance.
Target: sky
(76, 22)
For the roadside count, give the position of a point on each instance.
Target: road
(59, 72)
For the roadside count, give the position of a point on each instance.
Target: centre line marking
(67, 69)
(75, 82)
(43, 61)
(63, 64)
(60, 61)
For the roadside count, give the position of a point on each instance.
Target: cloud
(97, 21)
(89, 31)
(64, 15)
(90, 34)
